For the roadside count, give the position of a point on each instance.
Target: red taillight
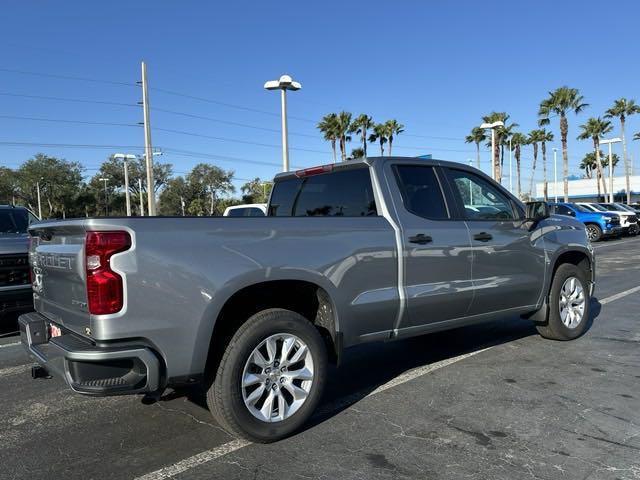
(314, 171)
(104, 286)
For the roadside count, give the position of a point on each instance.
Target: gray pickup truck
(254, 309)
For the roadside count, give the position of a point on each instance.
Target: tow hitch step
(38, 371)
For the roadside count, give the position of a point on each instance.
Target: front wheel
(594, 232)
(569, 307)
(271, 377)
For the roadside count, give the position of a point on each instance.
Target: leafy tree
(256, 191)
(594, 129)
(379, 135)
(517, 141)
(476, 136)
(59, 180)
(360, 126)
(329, 128)
(623, 108)
(560, 102)
(209, 179)
(393, 129)
(8, 185)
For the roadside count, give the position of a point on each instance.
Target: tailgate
(57, 257)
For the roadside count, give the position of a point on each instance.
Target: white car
(246, 210)
(628, 220)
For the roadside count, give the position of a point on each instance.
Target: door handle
(483, 237)
(420, 239)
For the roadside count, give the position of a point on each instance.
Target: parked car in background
(598, 224)
(247, 210)
(16, 295)
(628, 220)
(624, 210)
(365, 250)
(630, 208)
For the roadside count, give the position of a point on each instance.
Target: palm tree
(328, 126)
(535, 137)
(343, 124)
(476, 136)
(588, 164)
(622, 108)
(379, 135)
(357, 153)
(561, 101)
(544, 138)
(360, 126)
(517, 141)
(500, 133)
(594, 129)
(636, 136)
(393, 128)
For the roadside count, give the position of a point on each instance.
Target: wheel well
(574, 257)
(305, 298)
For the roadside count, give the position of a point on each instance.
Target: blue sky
(436, 66)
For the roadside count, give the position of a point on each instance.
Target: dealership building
(586, 189)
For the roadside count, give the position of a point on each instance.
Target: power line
(59, 120)
(67, 77)
(66, 99)
(68, 145)
(225, 104)
(227, 122)
(234, 140)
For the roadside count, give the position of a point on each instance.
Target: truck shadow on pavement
(367, 367)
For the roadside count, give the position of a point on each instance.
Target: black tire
(224, 396)
(553, 328)
(594, 232)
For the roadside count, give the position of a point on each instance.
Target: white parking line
(230, 447)
(611, 298)
(15, 344)
(613, 244)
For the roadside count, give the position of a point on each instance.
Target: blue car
(598, 224)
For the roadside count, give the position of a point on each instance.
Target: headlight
(607, 219)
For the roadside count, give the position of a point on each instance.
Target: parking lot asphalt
(487, 401)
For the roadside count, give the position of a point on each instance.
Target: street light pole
(284, 83)
(555, 174)
(141, 197)
(106, 201)
(510, 168)
(125, 158)
(609, 142)
(39, 202)
(493, 127)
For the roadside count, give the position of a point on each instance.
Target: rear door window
(345, 193)
(421, 192)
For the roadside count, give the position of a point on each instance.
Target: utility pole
(39, 202)
(182, 204)
(141, 197)
(148, 156)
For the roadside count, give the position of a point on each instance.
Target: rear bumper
(87, 368)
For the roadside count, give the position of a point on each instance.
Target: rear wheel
(568, 304)
(271, 377)
(594, 232)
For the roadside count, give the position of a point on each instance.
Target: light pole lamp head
(610, 140)
(492, 125)
(285, 82)
(124, 156)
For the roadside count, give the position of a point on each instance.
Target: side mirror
(537, 211)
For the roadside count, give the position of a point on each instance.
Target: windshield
(580, 208)
(14, 220)
(599, 207)
(614, 206)
(627, 208)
